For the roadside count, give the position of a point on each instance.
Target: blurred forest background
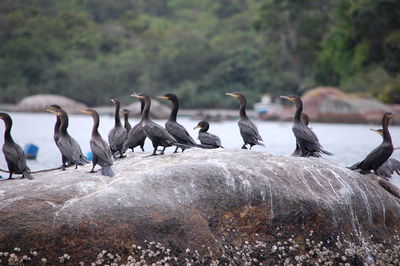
(91, 50)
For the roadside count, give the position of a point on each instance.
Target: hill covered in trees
(91, 50)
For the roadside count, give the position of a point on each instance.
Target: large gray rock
(201, 198)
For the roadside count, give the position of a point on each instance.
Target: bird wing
(152, 129)
(209, 139)
(70, 148)
(389, 168)
(116, 137)
(16, 155)
(250, 129)
(179, 132)
(101, 149)
(305, 133)
(135, 135)
(394, 165)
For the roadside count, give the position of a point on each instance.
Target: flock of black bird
(124, 137)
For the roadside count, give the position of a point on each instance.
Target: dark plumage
(100, 150)
(136, 136)
(297, 151)
(305, 137)
(380, 154)
(158, 135)
(127, 125)
(248, 129)
(68, 146)
(117, 135)
(13, 153)
(207, 138)
(57, 125)
(178, 131)
(388, 168)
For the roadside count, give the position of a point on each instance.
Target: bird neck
(141, 106)
(96, 122)
(64, 124)
(174, 111)
(7, 132)
(126, 117)
(205, 128)
(385, 127)
(57, 125)
(242, 110)
(117, 118)
(146, 110)
(299, 110)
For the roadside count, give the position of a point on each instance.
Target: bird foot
(93, 171)
(122, 156)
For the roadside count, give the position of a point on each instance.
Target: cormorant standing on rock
(388, 168)
(380, 154)
(13, 153)
(207, 138)
(248, 129)
(158, 135)
(100, 150)
(117, 135)
(57, 125)
(178, 131)
(68, 146)
(136, 136)
(305, 137)
(297, 151)
(127, 125)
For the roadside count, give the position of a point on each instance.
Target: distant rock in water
(38, 103)
(231, 206)
(328, 104)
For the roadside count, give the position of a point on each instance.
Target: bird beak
(376, 131)
(231, 94)
(112, 100)
(53, 111)
(85, 112)
(391, 115)
(163, 97)
(196, 127)
(287, 98)
(136, 96)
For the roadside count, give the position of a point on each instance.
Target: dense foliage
(91, 50)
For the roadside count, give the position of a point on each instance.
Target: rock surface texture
(218, 202)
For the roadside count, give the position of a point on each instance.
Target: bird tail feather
(326, 152)
(260, 143)
(107, 171)
(204, 146)
(27, 174)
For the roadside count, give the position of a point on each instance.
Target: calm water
(348, 143)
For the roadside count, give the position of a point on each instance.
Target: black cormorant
(380, 154)
(13, 153)
(68, 146)
(158, 135)
(178, 131)
(57, 125)
(117, 135)
(127, 125)
(100, 150)
(248, 129)
(391, 166)
(297, 151)
(136, 136)
(305, 137)
(207, 138)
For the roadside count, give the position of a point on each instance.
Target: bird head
(291, 98)
(125, 111)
